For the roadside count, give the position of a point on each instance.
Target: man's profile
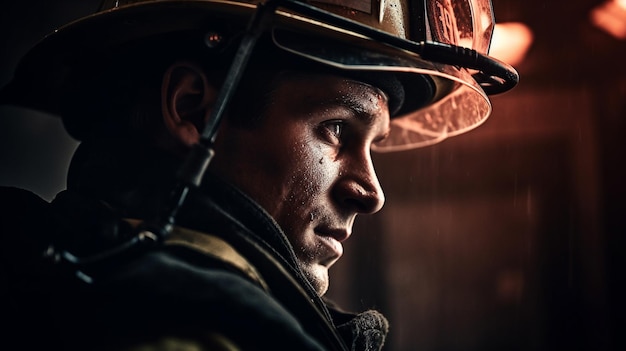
(225, 154)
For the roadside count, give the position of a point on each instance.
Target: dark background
(510, 237)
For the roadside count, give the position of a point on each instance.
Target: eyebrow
(359, 110)
(361, 113)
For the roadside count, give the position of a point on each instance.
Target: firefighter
(224, 156)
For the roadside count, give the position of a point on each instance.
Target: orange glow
(511, 41)
(611, 17)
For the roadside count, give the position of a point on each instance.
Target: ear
(186, 101)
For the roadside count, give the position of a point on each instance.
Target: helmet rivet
(213, 39)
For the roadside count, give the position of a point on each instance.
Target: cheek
(315, 171)
(305, 180)
(311, 177)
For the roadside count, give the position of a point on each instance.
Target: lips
(331, 240)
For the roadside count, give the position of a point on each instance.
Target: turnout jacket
(225, 279)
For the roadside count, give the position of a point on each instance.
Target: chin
(317, 277)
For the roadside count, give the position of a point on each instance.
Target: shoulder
(168, 294)
(163, 292)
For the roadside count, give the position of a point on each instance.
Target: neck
(130, 175)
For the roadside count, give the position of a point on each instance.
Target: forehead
(306, 91)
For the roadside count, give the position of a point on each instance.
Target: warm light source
(611, 17)
(511, 41)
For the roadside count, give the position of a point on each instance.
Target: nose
(358, 189)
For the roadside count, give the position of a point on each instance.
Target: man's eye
(335, 128)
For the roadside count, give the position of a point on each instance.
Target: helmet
(436, 51)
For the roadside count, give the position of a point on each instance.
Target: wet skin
(308, 164)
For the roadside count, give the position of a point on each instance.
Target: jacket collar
(219, 205)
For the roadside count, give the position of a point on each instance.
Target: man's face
(308, 163)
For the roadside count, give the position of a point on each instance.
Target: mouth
(338, 234)
(331, 240)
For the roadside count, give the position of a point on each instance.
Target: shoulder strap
(215, 247)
